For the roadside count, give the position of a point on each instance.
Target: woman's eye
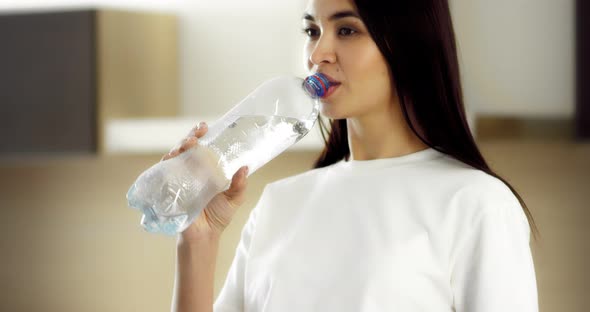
(345, 31)
(311, 32)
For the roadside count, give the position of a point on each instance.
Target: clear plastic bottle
(172, 193)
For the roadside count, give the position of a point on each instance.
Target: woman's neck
(382, 135)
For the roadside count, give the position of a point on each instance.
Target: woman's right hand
(220, 210)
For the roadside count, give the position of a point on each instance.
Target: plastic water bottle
(172, 193)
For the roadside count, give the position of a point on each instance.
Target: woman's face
(339, 46)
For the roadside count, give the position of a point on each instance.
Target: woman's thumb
(239, 181)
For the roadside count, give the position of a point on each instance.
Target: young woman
(401, 213)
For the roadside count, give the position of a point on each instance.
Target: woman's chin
(327, 110)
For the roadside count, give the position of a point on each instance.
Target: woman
(401, 213)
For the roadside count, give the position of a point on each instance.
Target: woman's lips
(331, 90)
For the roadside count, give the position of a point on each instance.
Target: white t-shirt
(420, 232)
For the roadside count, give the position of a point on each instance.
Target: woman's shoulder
(475, 197)
(477, 194)
(467, 178)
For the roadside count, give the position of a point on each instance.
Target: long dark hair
(417, 39)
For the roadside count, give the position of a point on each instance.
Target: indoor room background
(94, 92)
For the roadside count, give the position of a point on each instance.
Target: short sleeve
(493, 269)
(231, 296)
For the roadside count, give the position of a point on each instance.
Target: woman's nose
(323, 51)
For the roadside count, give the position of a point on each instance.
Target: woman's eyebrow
(335, 16)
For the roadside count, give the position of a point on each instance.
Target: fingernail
(246, 171)
(202, 124)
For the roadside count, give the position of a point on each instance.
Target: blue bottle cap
(316, 85)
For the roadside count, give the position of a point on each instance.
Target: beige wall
(69, 243)
(517, 57)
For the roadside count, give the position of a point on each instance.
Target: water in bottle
(172, 193)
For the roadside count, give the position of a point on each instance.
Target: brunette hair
(417, 39)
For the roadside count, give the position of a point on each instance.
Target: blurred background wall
(517, 56)
(69, 242)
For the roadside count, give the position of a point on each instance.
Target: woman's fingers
(199, 131)
(235, 193)
(167, 156)
(188, 142)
